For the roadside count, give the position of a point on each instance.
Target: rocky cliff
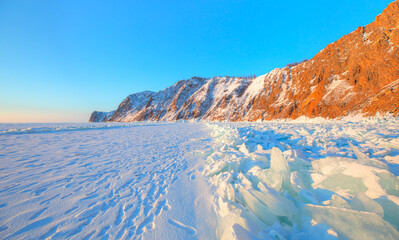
(359, 73)
(97, 116)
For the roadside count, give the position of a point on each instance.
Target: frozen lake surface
(82, 181)
(302, 179)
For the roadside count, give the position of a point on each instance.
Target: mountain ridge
(359, 73)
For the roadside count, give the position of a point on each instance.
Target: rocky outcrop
(97, 116)
(359, 73)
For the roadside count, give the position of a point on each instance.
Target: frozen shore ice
(305, 179)
(301, 179)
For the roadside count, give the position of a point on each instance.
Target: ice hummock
(306, 180)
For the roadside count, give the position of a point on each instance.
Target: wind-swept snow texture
(306, 179)
(302, 179)
(103, 181)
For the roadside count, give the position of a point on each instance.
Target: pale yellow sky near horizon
(42, 116)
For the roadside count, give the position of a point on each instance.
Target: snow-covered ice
(286, 179)
(100, 181)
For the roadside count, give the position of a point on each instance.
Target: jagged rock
(101, 116)
(357, 73)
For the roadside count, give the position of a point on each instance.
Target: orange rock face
(357, 73)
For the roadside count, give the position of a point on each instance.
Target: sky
(60, 60)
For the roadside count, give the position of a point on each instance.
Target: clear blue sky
(60, 60)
